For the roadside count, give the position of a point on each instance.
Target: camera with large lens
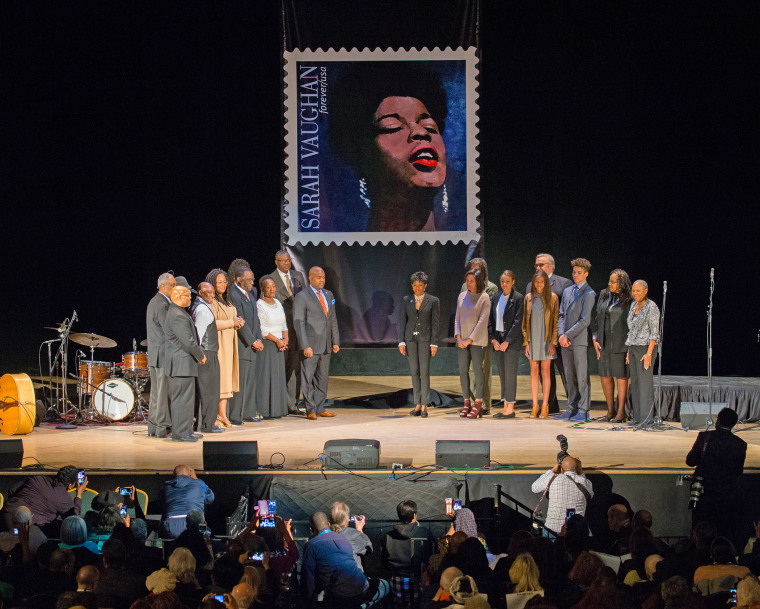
(696, 491)
(563, 448)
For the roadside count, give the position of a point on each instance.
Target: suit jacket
(251, 331)
(618, 325)
(513, 314)
(154, 322)
(313, 328)
(299, 283)
(722, 463)
(558, 283)
(575, 315)
(182, 351)
(425, 321)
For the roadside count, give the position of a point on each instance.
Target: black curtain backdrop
(141, 137)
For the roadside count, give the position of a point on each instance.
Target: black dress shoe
(415, 413)
(251, 420)
(423, 413)
(501, 415)
(236, 421)
(197, 435)
(187, 439)
(294, 411)
(213, 430)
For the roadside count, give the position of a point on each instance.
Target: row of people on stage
(557, 319)
(239, 354)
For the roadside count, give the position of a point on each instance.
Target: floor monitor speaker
(11, 453)
(462, 454)
(694, 414)
(231, 456)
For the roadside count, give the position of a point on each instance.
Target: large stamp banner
(380, 147)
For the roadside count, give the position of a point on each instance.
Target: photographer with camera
(569, 490)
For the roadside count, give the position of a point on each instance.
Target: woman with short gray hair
(643, 336)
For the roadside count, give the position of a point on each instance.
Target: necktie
(288, 285)
(322, 302)
(246, 295)
(575, 292)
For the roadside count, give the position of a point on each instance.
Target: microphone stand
(709, 419)
(657, 423)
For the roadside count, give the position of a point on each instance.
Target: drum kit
(107, 391)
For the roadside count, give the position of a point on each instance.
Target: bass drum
(17, 404)
(114, 399)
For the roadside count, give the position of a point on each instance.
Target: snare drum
(114, 399)
(91, 374)
(135, 364)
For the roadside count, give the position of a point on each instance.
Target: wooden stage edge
(519, 445)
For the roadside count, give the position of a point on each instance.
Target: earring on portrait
(363, 193)
(368, 202)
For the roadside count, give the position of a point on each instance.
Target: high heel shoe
(466, 410)
(222, 422)
(544, 412)
(477, 410)
(534, 412)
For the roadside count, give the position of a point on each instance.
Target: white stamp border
(290, 203)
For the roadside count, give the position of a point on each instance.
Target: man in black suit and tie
(573, 331)
(288, 283)
(243, 295)
(545, 262)
(159, 420)
(316, 327)
(183, 354)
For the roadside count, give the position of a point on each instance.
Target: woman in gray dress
(610, 329)
(540, 337)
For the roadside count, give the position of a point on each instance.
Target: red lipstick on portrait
(424, 157)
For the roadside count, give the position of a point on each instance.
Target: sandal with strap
(466, 410)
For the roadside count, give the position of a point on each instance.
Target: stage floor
(522, 443)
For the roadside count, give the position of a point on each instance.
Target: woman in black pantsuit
(418, 339)
(505, 332)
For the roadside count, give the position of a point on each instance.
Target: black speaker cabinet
(231, 456)
(11, 453)
(462, 454)
(694, 414)
(351, 454)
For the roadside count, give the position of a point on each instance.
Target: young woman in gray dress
(610, 329)
(540, 337)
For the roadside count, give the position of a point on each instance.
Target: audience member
(723, 573)
(619, 523)
(74, 538)
(160, 581)
(329, 566)
(183, 493)
(47, 497)
(442, 597)
(244, 595)
(340, 515)
(748, 593)
(570, 490)
(524, 574)
(182, 565)
(118, 587)
(406, 549)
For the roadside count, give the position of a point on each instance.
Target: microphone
(664, 287)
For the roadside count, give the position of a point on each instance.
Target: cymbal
(92, 340)
(144, 342)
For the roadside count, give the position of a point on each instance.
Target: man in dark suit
(573, 330)
(158, 416)
(316, 327)
(719, 458)
(288, 283)
(183, 354)
(243, 295)
(545, 262)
